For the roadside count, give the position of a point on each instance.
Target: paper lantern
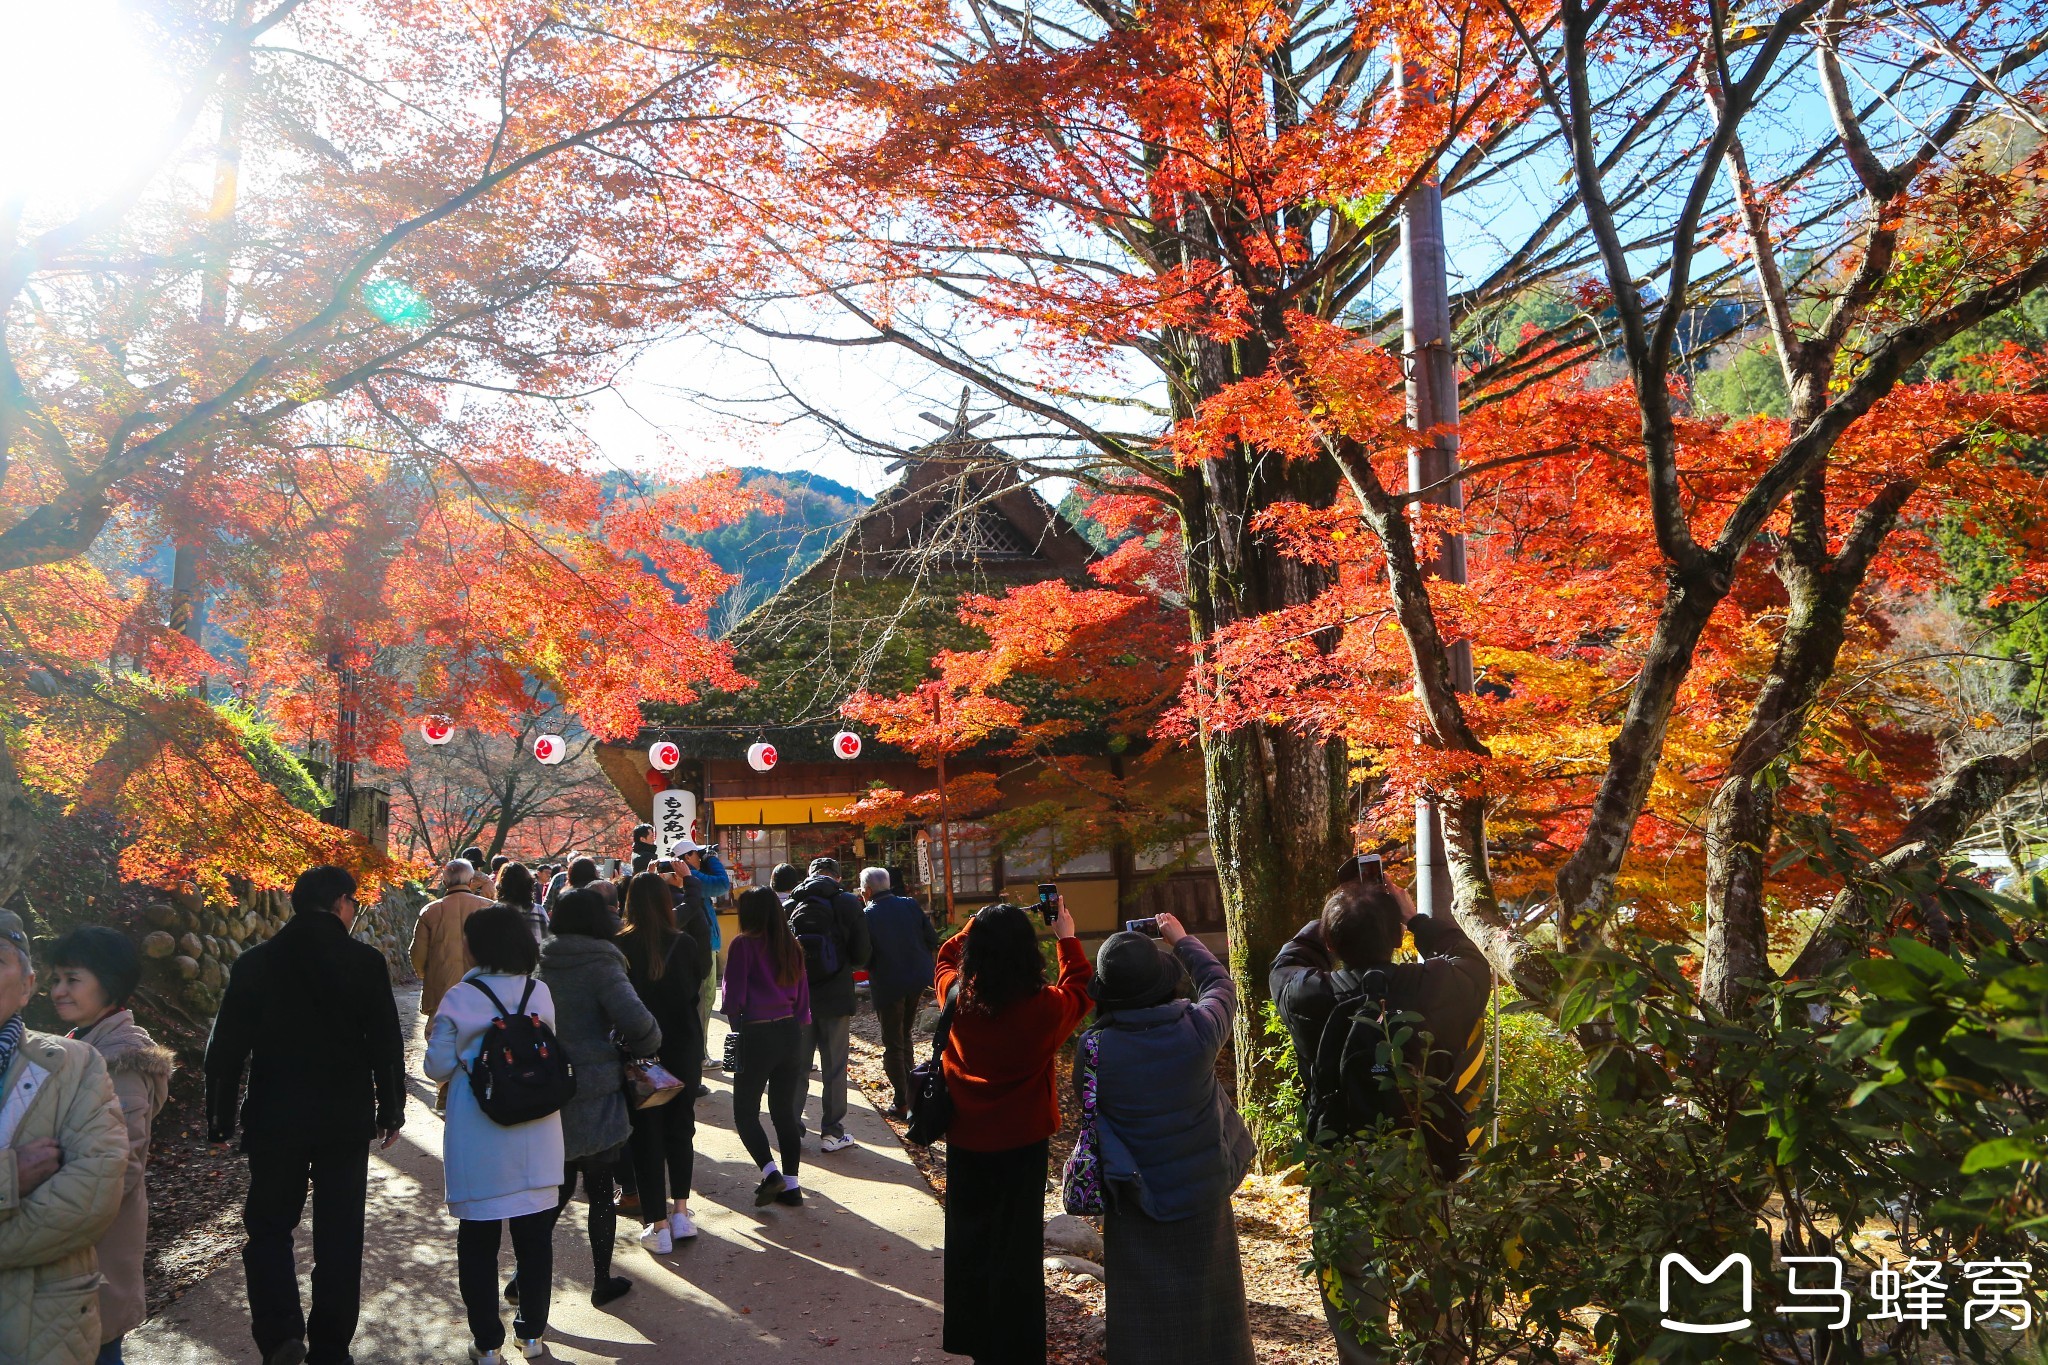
(675, 817)
(550, 749)
(846, 744)
(761, 757)
(437, 729)
(664, 755)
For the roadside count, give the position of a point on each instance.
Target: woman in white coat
(497, 1172)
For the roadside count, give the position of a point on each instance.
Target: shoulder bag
(1081, 1178)
(931, 1103)
(649, 1083)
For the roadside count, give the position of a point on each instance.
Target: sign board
(675, 817)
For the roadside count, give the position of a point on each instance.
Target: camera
(1148, 927)
(1048, 901)
(1362, 867)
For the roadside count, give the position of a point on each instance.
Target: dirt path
(856, 1270)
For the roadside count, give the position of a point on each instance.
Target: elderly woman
(93, 971)
(585, 972)
(1173, 1150)
(63, 1151)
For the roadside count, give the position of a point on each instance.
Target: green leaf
(2001, 1151)
(1889, 978)
(1929, 963)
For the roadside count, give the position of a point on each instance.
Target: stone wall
(192, 943)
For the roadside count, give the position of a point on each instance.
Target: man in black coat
(900, 967)
(820, 908)
(309, 1015)
(1348, 953)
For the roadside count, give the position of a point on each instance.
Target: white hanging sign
(550, 749)
(761, 757)
(675, 817)
(437, 729)
(846, 744)
(663, 755)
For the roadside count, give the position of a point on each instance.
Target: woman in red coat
(1007, 1027)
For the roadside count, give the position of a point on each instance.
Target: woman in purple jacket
(768, 1001)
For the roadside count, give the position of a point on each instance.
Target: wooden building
(870, 615)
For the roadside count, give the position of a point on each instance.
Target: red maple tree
(331, 342)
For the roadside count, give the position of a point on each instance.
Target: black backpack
(521, 1073)
(1352, 1087)
(816, 926)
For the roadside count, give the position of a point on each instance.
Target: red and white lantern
(761, 757)
(550, 749)
(846, 744)
(437, 729)
(663, 755)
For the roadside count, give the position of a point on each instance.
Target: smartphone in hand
(1048, 901)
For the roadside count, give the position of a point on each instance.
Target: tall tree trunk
(1743, 814)
(21, 825)
(1279, 824)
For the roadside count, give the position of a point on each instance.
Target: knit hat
(1132, 973)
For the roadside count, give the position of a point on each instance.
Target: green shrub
(1276, 1122)
(279, 766)
(1540, 1066)
(1892, 1110)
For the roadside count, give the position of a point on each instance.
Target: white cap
(683, 846)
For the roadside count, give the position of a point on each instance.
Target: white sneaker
(657, 1240)
(681, 1227)
(477, 1357)
(531, 1348)
(838, 1142)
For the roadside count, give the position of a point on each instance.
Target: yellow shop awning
(762, 811)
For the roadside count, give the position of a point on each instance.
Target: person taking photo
(1173, 1150)
(1007, 1029)
(1340, 963)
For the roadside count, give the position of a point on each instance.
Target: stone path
(856, 1271)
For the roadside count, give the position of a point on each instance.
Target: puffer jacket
(141, 1072)
(49, 1274)
(1172, 1143)
(593, 1000)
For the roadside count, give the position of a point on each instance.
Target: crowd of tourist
(566, 1017)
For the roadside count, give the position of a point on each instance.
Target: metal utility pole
(188, 587)
(343, 810)
(1430, 361)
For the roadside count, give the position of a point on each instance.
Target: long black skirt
(995, 1249)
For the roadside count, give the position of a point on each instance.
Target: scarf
(10, 1039)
